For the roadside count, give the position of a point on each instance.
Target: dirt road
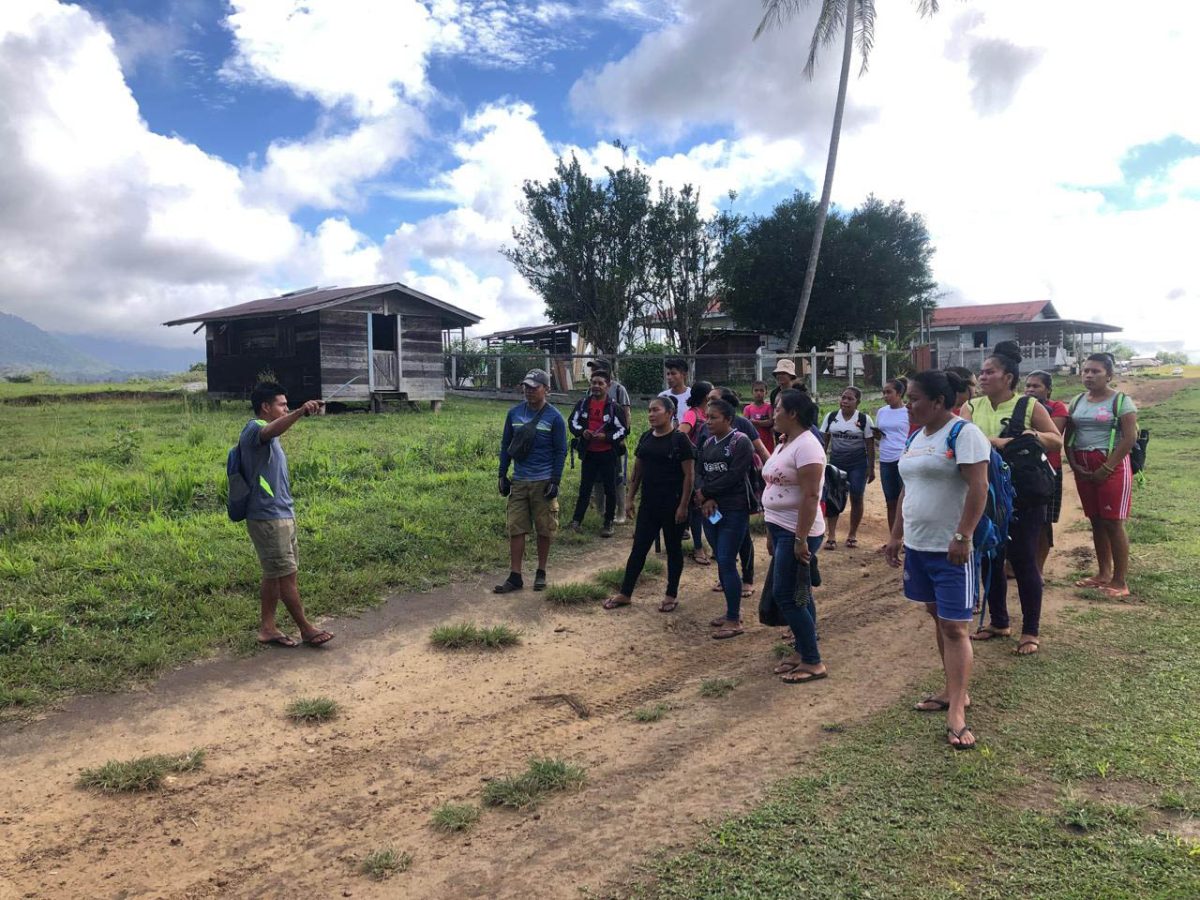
(281, 809)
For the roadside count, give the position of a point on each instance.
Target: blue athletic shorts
(930, 578)
(890, 480)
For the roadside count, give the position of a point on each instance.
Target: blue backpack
(237, 501)
(991, 532)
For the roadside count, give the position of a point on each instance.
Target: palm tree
(857, 19)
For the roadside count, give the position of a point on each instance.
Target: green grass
(715, 688)
(655, 712)
(469, 636)
(312, 710)
(611, 578)
(384, 863)
(117, 560)
(572, 593)
(454, 817)
(1087, 768)
(146, 773)
(527, 789)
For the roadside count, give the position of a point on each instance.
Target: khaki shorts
(530, 511)
(275, 543)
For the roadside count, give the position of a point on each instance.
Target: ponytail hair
(1008, 355)
(944, 386)
(797, 403)
(899, 385)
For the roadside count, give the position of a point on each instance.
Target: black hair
(265, 392)
(724, 408)
(899, 385)
(675, 362)
(963, 373)
(700, 392)
(667, 403)
(1106, 360)
(945, 385)
(730, 397)
(1045, 378)
(601, 373)
(1008, 354)
(800, 405)
(855, 391)
(761, 384)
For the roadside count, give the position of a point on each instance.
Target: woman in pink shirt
(791, 503)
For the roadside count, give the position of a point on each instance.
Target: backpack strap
(1017, 424)
(829, 420)
(1114, 427)
(1070, 418)
(952, 437)
(862, 422)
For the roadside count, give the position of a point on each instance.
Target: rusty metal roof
(298, 302)
(990, 314)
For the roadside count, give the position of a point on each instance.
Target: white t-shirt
(681, 401)
(781, 499)
(934, 489)
(893, 425)
(848, 444)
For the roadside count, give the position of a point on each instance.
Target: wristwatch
(961, 538)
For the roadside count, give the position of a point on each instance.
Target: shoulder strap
(1114, 426)
(1018, 423)
(1070, 419)
(862, 421)
(952, 438)
(908, 442)
(829, 420)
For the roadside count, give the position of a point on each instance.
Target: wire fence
(644, 375)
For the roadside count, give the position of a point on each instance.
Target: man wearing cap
(533, 490)
(620, 396)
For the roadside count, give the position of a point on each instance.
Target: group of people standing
(704, 467)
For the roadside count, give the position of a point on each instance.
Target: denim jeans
(793, 592)
(727, 536)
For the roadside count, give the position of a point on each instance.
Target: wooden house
(373, 343)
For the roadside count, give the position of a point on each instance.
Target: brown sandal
(989, 632)
(725, 633)
(614, 602)
(803, 676)
(1027, 643)
(669, 604)
(721, 622)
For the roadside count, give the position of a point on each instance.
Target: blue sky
(179, 155)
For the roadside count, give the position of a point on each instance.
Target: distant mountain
(26, 348)
(132, 356)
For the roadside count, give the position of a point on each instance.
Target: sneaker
(607, 530)
(620, 519)
(576, 527)
(507, 587)
(539, 581)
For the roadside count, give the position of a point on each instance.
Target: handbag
(521, 444)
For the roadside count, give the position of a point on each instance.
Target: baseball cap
(785, 365)
(534, 377)
(598, 364)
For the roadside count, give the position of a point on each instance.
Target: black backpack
(862, 420)
(1032, 475)
(836, 491)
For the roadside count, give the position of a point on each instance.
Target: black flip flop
(319, 639)
(812, 676)
(958, 734)
(281, 641)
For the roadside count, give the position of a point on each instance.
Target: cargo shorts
(275, 543)
(530, 511)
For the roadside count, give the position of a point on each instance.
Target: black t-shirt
(662, 464)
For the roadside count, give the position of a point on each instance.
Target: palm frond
(864, 31)
(777, 12)
(927, 7)
(827, 31)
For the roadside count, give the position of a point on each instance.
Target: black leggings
(1021, 552)
(652, 517)
(602, 466)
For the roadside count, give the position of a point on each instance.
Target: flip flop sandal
(940, 705)
(1090, 583)
(950, 732)
(716, 589)
(280, 641)
(747, 592)
(784, 667)
(851, 543)
(1114, 593)
(726, 633)
(988, 633)
(721, 622)
(803, 676)
(668, 606)
(830, 545)
(614, 603)
(321, 637)
(1036, 648)
(700, 560)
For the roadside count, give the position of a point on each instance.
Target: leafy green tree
(1167, 358)
(876, 270)
(850, 19)
(583, 247)
(1118, 350)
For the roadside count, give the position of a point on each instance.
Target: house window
(979, 339)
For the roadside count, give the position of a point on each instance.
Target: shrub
(644, 376)
(312, 709)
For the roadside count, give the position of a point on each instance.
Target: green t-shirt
(1093, 421)
(992, 420)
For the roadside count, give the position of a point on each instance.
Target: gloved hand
(551, 490)
(505, 486)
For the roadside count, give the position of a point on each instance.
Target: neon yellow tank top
(993, 420)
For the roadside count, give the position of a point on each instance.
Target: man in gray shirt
(270, 515)
(620, 396)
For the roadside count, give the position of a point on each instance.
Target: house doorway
(385, 352)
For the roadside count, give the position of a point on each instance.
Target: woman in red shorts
(1101, 430)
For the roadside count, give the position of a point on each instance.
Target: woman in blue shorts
(850, 438)
(945, 472)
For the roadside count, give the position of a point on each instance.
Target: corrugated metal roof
(988, 314)
(307, 301)
(530, 331)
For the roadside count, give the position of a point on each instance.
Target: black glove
(552, 490)
(505, 486)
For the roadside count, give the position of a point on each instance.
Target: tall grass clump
(573, 593)
(468, 635)
(142, 774)
(454, 817)
(527, 789)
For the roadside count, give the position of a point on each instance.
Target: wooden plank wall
(422, 366)
(344, 353)
(288, 347)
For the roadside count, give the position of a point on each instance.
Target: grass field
(1087, 780)
(117, 559)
